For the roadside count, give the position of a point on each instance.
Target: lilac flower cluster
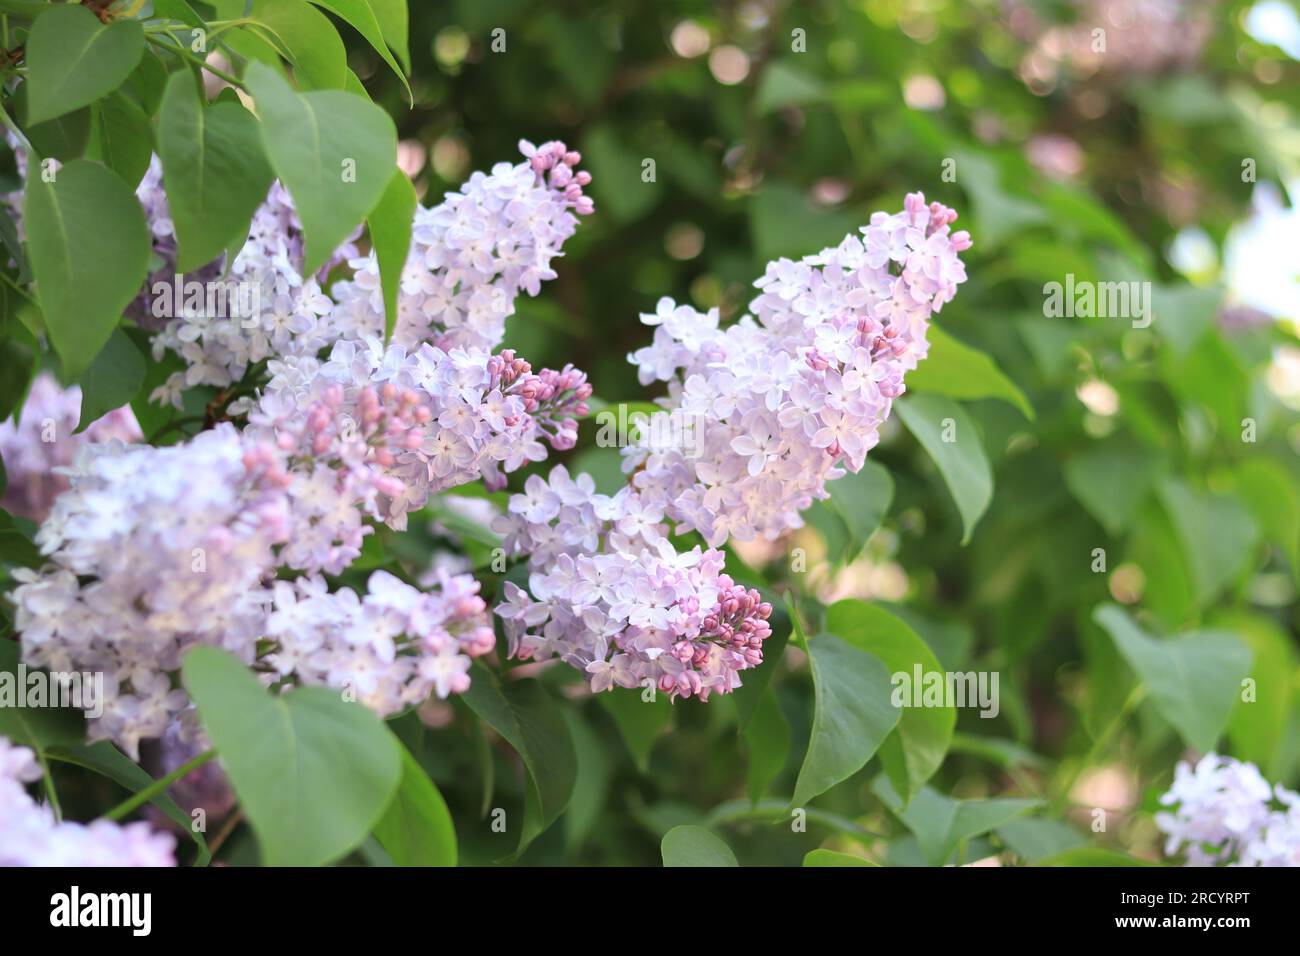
(1223, 811)
(612, 597)
(765, 413)
(785, 400)
(31, 836)
(470, 414)
(154, 550)
(473, 254)
(42, 442)
(269, 309)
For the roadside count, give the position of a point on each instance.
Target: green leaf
(316, 142)
(1092, 856)
(853, 715)
(786, 85)
(1258, 727)
(757, 680)
(1217, 533)
(767, 745)
(832, 858)
(89, 249)
(393, 23)
(313, 773)
(214, 171)
(954, 369)
(695, 846)
(390, 236)
(923, 733)
(639, 722)
(112, 379)
(940, 823)
(785, 222)
(523, 713)
(309, 40)
(40, 728)
(123, 138)
(591, 787)
(1112, 479)
(73, 59)
(64, 138)
(1270, 492)
(1194, 679)
(950, 437)
(862, 500)
(361, 14)
(416, 829)
(105, 759)
(1035, 838)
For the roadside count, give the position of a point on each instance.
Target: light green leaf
(334, 151)
(112, 379)
(940, 823)
(1194, 679)
(1258, 727)
(862, 500)
(832, 858)
(416, 829)
(923, 733)
(393, 23)
(1092, 856)
(390, 236)
(1111, 479)
(89, 250)
(123, 138)
(955, 369)
(73, 59)
(214, 171)
(522, 713)
(639, 722)
(361, 14)
(1270, 492)
(785, 85)
(1217, 533)
(950, 437)
(695, 846)
(1036, 838)
(313, 772)
(853, 715)
(767, 744)
(308, 39)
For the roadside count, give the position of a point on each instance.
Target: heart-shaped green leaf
(335, 152)
(1194, 679)
(89, 248)
(695, 846)
(950, 437)
(313, 772)
(214, 170)
(73, 59)
(416, 829)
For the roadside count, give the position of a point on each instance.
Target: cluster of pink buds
(557, 165)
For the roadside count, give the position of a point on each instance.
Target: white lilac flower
(609, 594)
(758, 418)
(774, 406)
(30, 835)
(42, 442)
(460, 415)
(1223, 811)
(472, 254)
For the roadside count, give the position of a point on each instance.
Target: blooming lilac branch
(762, 414)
